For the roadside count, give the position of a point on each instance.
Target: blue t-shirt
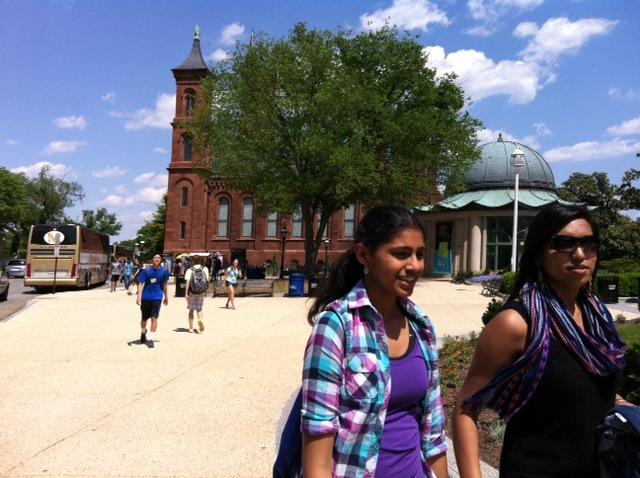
(153, 280)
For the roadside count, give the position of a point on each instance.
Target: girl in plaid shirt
(371, 404)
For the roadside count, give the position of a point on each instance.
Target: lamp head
(517, 158)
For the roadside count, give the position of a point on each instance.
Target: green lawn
(630, 332)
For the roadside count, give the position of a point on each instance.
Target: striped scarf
(600, 349)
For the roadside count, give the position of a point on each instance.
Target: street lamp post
(517, 161)
(141, 248)
(326, 256)
(283, 233)
(136, 249)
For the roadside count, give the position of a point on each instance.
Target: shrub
(620, 266)
(630, 388)
(455, 355)
(508, 281)
(492, 309)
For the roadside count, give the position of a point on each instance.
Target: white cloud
(152, 179)
(486, 135)
(109, 96)
(70, 122)
(11, 142)
(115, 200)
(491, 10)
(159, 117)
(122, 189)
(542, 129)
(628, 128)
(146, 215)
(159, 150)
(559, 36)
(481, 77)
(479, 31)
(57, 170)
(231, 33)
(151, 195)
(116, 114)
(217, 55)
(109, 172)
(590, 150)
(405, 14)
(620, 93)
(61, 147)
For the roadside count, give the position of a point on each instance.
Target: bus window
(40, 230)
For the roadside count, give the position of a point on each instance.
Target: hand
(166, 301)
(138, 301)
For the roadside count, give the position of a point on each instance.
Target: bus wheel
(87, 281)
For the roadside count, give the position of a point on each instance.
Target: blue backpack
(619, 447)
(289, 460)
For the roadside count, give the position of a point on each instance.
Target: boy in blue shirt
(152, 287)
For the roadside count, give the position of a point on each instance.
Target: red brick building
(205, 216)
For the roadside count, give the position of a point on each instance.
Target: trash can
(316, 285)
(608, 289)
(296, 285)
(180, 286)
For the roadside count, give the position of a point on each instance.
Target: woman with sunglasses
(549, 362)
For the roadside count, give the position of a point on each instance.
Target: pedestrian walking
(371, 403)
(115, 271)
(197, 284)
(152, 287)
(128, 271)
(549, 362)
(231, 276)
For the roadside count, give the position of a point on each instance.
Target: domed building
(472, 231)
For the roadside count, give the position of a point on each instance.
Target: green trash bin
(608, 289)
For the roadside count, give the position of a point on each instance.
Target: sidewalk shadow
(135, 342)
(181, 329)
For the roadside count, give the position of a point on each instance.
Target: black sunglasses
(569, 243)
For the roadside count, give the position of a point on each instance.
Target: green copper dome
(494, 169)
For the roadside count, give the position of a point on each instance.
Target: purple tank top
(400, 451)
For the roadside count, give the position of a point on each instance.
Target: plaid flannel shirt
(347, 383)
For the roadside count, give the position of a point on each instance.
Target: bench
(245, 287)
(491, 287)
(258, 286)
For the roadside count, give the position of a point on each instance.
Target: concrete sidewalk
(81, 397)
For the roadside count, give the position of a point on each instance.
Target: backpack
(198, 283)
(289, 460)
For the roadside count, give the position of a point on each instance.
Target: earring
(366, 270)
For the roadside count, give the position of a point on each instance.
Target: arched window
(272, 225)
(349, 221)
(183, 229)
(189, 102)
(186, 148)
(184, 194)
(223, 217)
(247, 217)
(296, 223)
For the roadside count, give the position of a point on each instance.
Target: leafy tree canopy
(620, 234)
(50, 196)
(14, 201)
(319, 121)
(101, 221)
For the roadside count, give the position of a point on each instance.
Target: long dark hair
(547, 223)
(378, 226)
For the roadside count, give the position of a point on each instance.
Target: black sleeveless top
(554, 434)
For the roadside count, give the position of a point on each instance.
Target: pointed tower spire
(194, 61)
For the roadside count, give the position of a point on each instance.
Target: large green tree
(620, 234)
(152, 232)
(101, 221)
(318, 121)
(15, 208)
(51, 196)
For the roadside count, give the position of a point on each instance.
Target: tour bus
(82, 256)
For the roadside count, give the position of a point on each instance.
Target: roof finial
(196, 33)
(500, 138)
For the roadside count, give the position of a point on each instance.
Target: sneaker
(190, 330)
(143, 337)
(201, 326)
(227, 306)
(150, 344)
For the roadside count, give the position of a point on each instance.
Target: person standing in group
(371, 403)
(129, 269)
(152, 287)
(231, 276)
(549, 362)
(197, 284)
(115, 271)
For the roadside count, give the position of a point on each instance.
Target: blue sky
(87, 86)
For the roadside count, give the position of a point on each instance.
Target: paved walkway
(79, 396)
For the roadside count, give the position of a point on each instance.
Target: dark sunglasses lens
(567, 243)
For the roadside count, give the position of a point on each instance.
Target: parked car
(16, 268)
(4, 286)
